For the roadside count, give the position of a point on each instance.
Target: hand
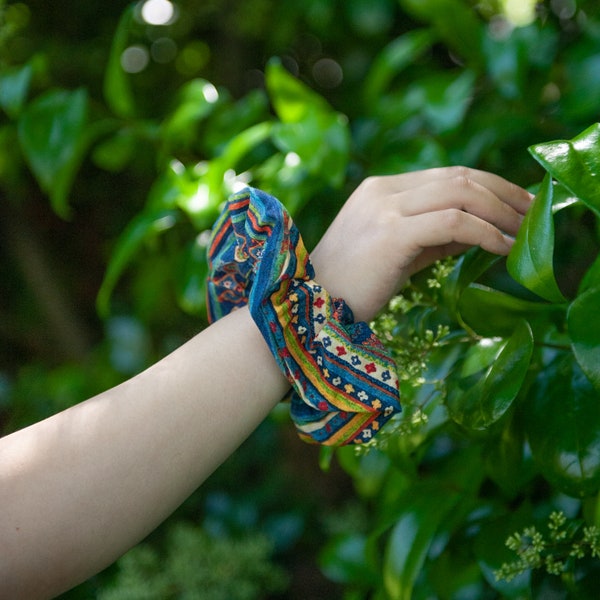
(393, 226)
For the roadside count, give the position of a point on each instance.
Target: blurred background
(123, 126)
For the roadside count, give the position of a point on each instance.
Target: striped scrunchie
(344, 384)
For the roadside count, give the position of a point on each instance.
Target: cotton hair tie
(344, 383)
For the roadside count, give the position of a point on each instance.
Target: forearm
(79, 489)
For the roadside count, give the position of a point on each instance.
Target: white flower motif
(362, 395)
(336, 381)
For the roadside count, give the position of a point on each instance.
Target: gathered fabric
(344, 382)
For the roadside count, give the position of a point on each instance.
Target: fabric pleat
(344, 382)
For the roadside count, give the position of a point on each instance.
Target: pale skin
(79, 489)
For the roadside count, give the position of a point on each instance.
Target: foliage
(507, 377)
(564, 544)
(196, 566)
(499, 359)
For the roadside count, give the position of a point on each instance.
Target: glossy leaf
(490, 312)
(117, 87)
(575, 164)
(423, 510)
(562, 416)
(584, 330)
(530, 260)
(393, 59)
(477, 400)
(591, 278)
(469, 267)
(52, 134)
(144, 227)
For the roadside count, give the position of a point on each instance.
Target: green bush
(195, 566)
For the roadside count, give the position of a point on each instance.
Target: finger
(463, 194)
(453, 226)
(508, 192)
(428, 256)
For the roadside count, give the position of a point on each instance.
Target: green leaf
(310, 132)
(320, 142)
(369, 471)
(575, 164)
(117, 88)
(491, 552)
(507, 463)
(52, 134)
(562, 416)
(345, 559)
(584, 330)
(446, 100)
(144, 227)
(506, 62)
(191, 278)
(423, 510)
(114, 153)
(490, 312)
(591, 278)
(468, 268)
(193, 105)
(455, 22)
(393, 59)
(231, 119)
(530, 260)
(477, 400)
(237, 148)
(293, 101)
(14, 87)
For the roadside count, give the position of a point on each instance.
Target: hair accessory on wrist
(344, 383)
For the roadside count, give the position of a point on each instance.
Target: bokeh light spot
(135, 59)
(328, 73)
(158, 12)
(210, 93)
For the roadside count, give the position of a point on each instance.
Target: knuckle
(453, 218)
(462, 182)
(460, 172)
(371, 185)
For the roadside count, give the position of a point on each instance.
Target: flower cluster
(565, 542)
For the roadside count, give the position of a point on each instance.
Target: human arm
(80, 488)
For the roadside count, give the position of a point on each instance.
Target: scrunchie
(344, 383)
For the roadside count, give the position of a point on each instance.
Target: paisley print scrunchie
(344, 383)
